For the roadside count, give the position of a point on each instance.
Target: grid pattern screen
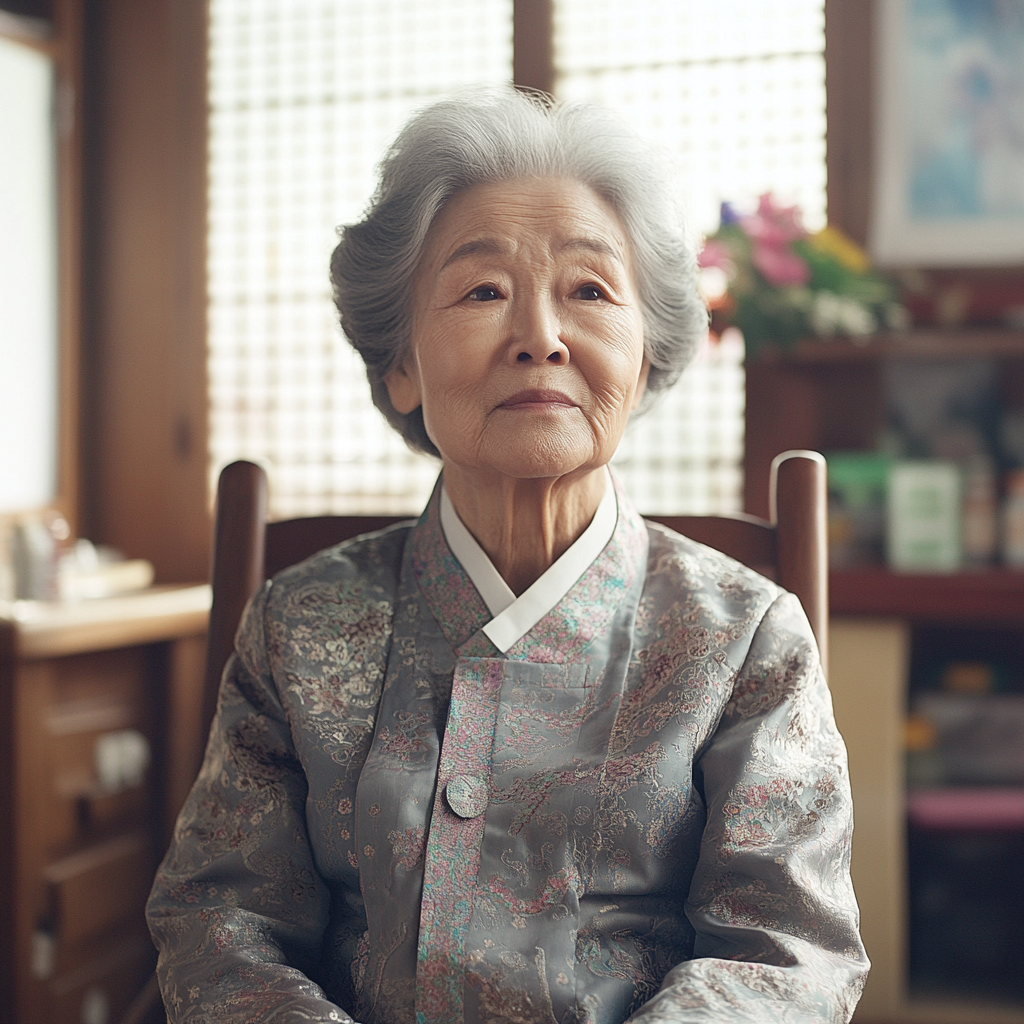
(304, 97)
(734, 91)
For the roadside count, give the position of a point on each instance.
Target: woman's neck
(525, 526)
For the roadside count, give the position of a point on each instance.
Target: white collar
(514, 617)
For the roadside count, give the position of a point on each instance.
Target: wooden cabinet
(831, 396)
(99, 741)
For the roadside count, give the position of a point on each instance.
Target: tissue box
(923, 517)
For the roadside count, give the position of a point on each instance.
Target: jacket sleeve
(771, 899)
(238, 910)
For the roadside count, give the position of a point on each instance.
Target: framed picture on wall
(949, 133)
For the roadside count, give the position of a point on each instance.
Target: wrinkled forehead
(562, 214)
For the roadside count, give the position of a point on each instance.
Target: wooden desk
(79, 842)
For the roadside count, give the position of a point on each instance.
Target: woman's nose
(556, 354)
(537, 337)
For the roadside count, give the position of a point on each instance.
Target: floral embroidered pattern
(461, 610)
(454, 846)
(658, 811)
(405, 740)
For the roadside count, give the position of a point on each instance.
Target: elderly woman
(528, 759)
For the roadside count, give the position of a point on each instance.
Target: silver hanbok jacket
(639, 812)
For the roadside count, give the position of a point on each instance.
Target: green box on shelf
(857, 484)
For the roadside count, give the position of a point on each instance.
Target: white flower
(855, 318)
(825, 313)
(832, 314)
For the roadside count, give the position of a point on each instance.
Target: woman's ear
(403, 384)
(641, 384)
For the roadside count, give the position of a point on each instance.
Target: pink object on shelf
(968, 808)
(779, 266)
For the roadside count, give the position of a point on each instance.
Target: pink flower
(714, 254)
(779, 266)
(773, 224)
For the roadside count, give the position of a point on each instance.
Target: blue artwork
(965, 112)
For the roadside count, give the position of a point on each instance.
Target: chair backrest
(792, 548)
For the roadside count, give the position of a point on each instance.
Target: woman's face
(527, 340)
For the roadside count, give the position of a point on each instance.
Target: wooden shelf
(919, 344)
(46, 629)
(979, 597)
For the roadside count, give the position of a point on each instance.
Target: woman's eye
(484, 293)
(590, 292)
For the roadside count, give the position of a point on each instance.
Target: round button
(467, 795)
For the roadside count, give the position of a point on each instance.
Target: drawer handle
(121, 759)
(44, 947)
(95, 1007)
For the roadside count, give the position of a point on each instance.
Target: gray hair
(487, 135)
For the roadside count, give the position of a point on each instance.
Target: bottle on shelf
(980, 511)
(1013, 519)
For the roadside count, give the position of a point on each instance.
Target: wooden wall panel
(145, 379)
(848, 86)
(533, 44)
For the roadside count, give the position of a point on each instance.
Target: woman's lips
(537, 399)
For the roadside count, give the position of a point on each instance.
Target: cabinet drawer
(93, 697)
(99, 888)
(99, 691)
(101, 989)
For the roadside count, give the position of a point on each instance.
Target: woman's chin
(539, 461)
(525, 450)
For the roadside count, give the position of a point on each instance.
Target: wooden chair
(791, 548)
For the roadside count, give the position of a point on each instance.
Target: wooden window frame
(533, 45)
(849, 77)
(143, 382)
(143, 385)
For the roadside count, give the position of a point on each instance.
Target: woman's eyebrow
(592, 245)
(478, 246)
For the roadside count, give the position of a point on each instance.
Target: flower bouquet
(767, 275)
